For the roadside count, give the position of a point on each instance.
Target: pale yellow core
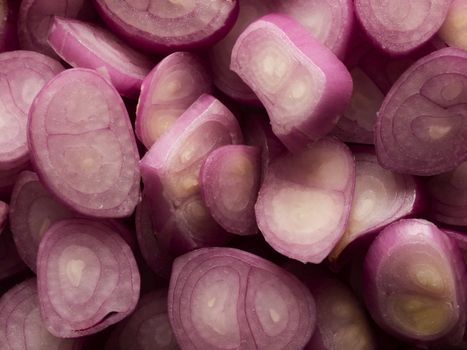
(160, 123)
(305, 216)
(355, 337)
(428, 278)
(454, 29)
(74, 271)
(421, 315)
(437, 132)
(275, 317)
(238, 173)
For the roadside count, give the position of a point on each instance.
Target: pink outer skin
(154, 79)
(124, 258)
(277, 177)
(373, 27)
(411, 205)
(175, 234)
(395, 236)
(400, 161)
(35, 39)
(43, 165)
(145, 41)
(66, 38)
(198, 262)
(237, 222)
(337, 88)
(17, 159)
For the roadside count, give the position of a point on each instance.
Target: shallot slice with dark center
(224, 298)
(147, 328)
(170, 171)
(87, 278)
(22, 76)
(35, 18)
(415, 281)
(229, 181)
(162, 26)
(422, 125)
(400, 26)
(304, 201)
(84, 45)
(83, 145)
(171, 87)
(302, 84)
(33, 210)
(21, 325)
(380, 197)
(448, 195)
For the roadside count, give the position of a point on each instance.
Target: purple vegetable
(380, 198)
(357, 123)
(87, 278)
(22, 75)
(415, 282)
(155, 257)
(448, 194)
(8, 179)
(224, 298)
(21, 326)
(460, 238)
(35, 18)
(83, 146)
(421, 125)
(229, 181)
(329, 21)
(85, 45)
(33, 210)
(303, 86)
(454, 26)
(400, 26)
(147, 327)
(304, 202)
(8, 25)
(170, 171)
(171, 87)
(164, 26)
(10, 262)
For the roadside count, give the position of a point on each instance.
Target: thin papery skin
(167, 91)
(33, 210)
(301, 83)
(170, 171)
(357, 123)
(22, 75)
(147, 328)
(162, 27)
(380, 198)
(21, 327)
(421, 126)
(226, 298)
(35, 18)
(87, 278)
(399, 27)
(85, 45)
(414, 279)
(10, 262)
(87, 155)
(229, 180)
(304, 201)
(454, 26)
(219, 54)
(448, 196)
(329, 21)
(155, 257)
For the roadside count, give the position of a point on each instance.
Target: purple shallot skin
(87, 278)
(301, 83)
(85, 45)
(305, 200)
(415, 280)
(168, 26)
(229, 180)
(421, 127)
(227, 298)
(83, 146)
(167, 91)
(170, 171)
